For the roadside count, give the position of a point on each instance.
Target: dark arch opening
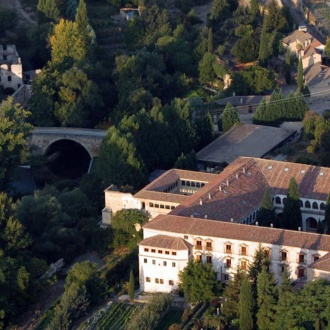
(67, 159)
(311, 223)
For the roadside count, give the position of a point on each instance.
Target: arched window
(250, 218)
(278, 200)
(301, 203)
(322, 206)
(307, 204)
(311, 223)
(254, 215)
(315, 206)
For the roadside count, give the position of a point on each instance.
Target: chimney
(227, 182)
(244, 170)
(200, 202)
(271, 225)
(257, 223)
(205, 216)
(231, 220)
(220, 188)
(209, 196)
(299, 228)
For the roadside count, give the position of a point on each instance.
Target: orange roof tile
(166, 242)
(322, 264)
(234, 231)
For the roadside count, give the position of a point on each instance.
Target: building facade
(171, 241)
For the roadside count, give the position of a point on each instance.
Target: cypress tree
(264, 47)
(245, 306)
(266, 213)
(229, 117)
(267, 299)
(291, 216)
(131, 287)
(287, 67)
(231, 295)
(300, 77)
(261, 115)
(82, 24)
(326, 221)
(254, 8)
(48, 10)
(210, 41)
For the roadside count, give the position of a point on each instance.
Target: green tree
(198, 281)
(266, 214)
(187, 162)
(260, 260)
(267, 300)
(231, 295)
(300, 77)
(291, 216)
(245, 306)
(205, 68)
(82, 25)
(13, 237)
(246, 49)
(326, 221)
(14, 130)
(265, 49)
(219, 10)
(67, 44)
(119, 162)
(254, 8)
(131, 287)
(48, 10)
(229, 117)
(287, 66)
(210, 41)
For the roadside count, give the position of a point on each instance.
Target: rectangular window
(185, 237)
(199, 257)
(301, 258)
(170, 282)
(157, 280)
(9, 78)
(316, 258)
(198, 185)
(160, 251)
(161, 281)
(146, 250)
(209, 259)
(148, 279)
(188, 183)
(193, 184)
(172, 207)
(243, 264)
(209, 246)
(167, 252)
(228, 248)
(243, 250)
(173, 253)
(226, 277)
(162, 206)
(198, 245)
(284, 256)
(154, 262)
(151, 204)
(228, 263)
(183, 182)
(173, 264)
(145, 261)
(167, 207)
(164, 263)
(153, 250)
(157, 206)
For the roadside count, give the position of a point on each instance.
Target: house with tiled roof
(212, 217)
(226, 245)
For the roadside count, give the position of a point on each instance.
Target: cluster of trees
(317, 131)
(149, 315)
(229, 117)
(148, 140)
(280, 108)
(83, 289)
(254, 300)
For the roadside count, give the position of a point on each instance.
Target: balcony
(198, 247)
(209, 248)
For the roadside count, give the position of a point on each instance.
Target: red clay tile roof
(166, 242)
(246, 233)
(312, 49)
(322, 264)
(299, 36)
(160, 196)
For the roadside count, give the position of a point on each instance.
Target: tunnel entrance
(67, 159)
